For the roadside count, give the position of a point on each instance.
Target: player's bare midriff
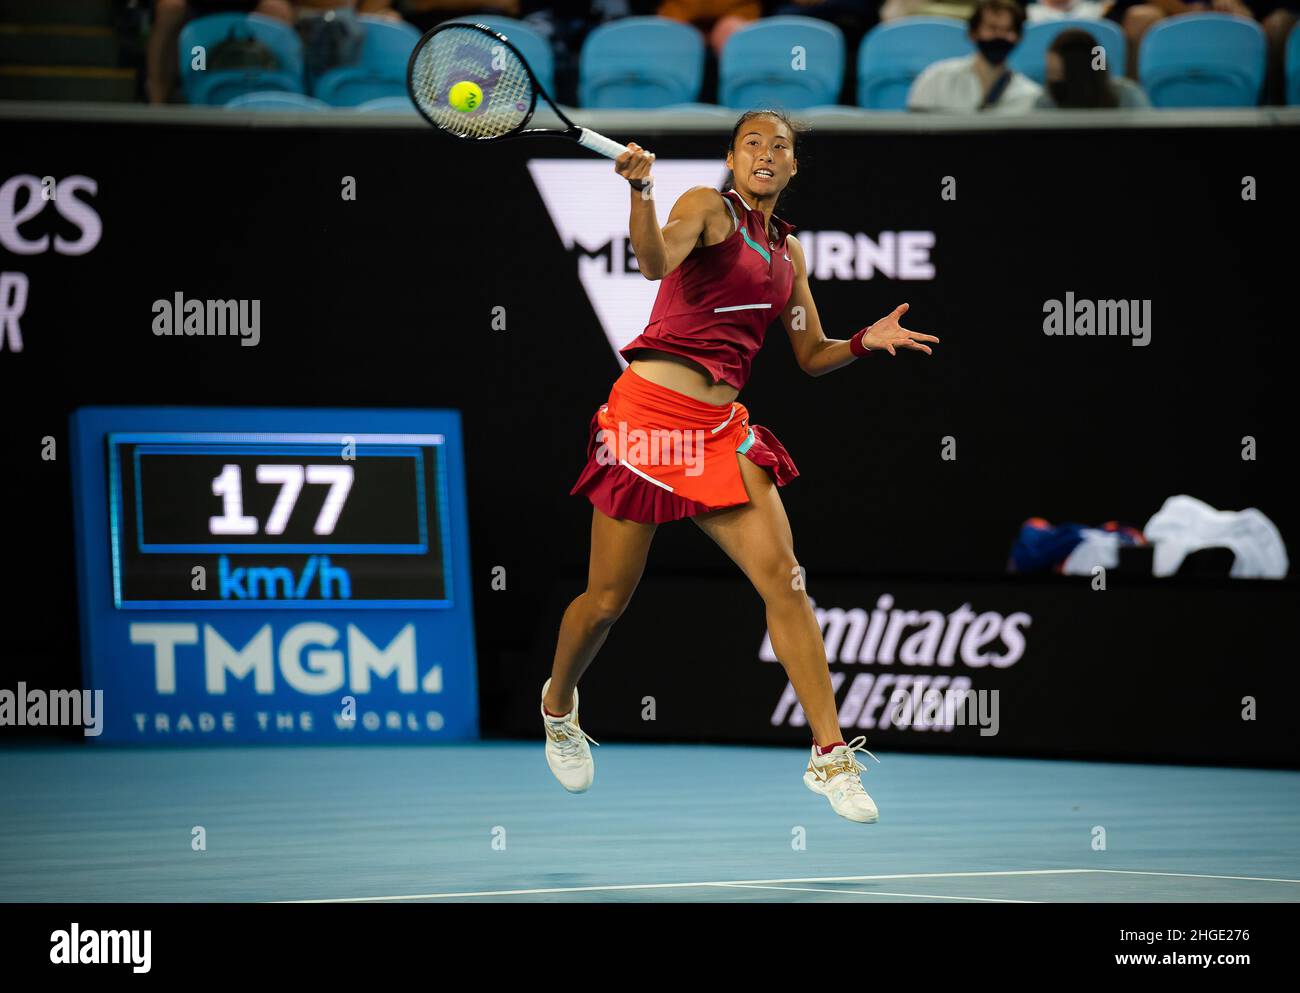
(676, 372)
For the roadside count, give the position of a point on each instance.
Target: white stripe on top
(734, 219)
(726, 422)
(743, 306)
(650, 479)
(741, 199)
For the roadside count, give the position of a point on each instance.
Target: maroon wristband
(856, 346)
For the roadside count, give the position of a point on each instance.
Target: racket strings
(454, 56)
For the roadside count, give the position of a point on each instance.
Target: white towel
(1185, 524)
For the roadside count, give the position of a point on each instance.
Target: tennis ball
(465, 96)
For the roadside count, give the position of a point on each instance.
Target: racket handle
(599, 143)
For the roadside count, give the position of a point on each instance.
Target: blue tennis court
(679, 823)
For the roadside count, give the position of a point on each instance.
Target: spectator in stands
(1073, 83)
(981, 81)
(169, 16)
(1061, 10)
(717, 19)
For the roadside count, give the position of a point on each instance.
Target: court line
(1195, 875)
(919, 896)
(721, 882)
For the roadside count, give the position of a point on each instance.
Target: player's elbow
(652, 268)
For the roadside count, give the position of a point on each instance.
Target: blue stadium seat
(219, 86)
(892, 55)
(755, 69)
(1203, 60)
(379, 72)
(1293, 66)
(1030, 56)
(388, 105)
(641, 62)
(533, 46)
(275, 100)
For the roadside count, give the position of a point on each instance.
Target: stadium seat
(1030, 56)
(892, 55)
(379, 72)
(755, 68)
(1293, 66)
(275, 100)
(1203, 60)
(219, 86)
(388, 105)
(641, 62)
(533, 46)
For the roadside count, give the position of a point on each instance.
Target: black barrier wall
(1000, 666)
(394, 269)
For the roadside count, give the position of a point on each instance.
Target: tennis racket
(460, 52)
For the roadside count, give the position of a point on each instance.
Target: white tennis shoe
(567, 751)
(837, 776)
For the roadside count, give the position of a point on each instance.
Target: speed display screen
(244, 520)
(265, 575)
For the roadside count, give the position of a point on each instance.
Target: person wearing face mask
(981, 81)
(1073, 83)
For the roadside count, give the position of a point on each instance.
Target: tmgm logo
(588, 206)
(310, 658)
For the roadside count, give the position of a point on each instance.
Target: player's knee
(781, 581)
(605, 606)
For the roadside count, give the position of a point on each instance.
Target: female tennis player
(672, 441)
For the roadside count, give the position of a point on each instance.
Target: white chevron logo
(588, 205)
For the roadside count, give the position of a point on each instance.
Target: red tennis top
(717, 305)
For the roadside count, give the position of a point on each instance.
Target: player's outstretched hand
(887, 334)
(634, 165)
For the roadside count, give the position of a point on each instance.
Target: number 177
(290, 478)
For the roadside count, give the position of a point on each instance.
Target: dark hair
(1016, 11)
(1083, 86)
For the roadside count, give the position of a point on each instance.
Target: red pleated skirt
(656, 455)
